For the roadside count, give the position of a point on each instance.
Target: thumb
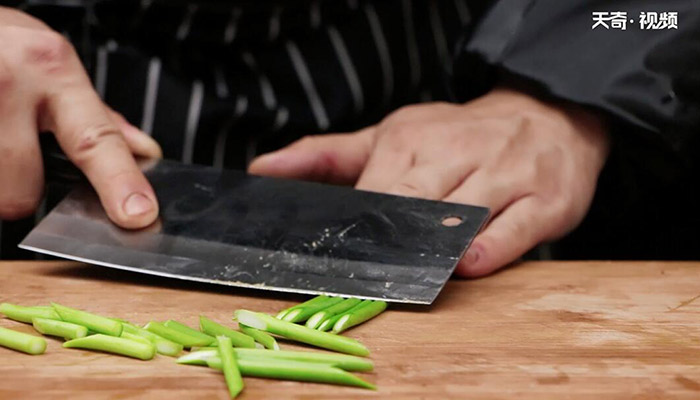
(336, 158)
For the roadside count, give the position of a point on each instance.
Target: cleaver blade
(230, 228)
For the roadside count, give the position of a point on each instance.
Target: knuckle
(398, 137)
(441, 107)
(552, 157)
(520, 228)
(11, 209)
(50, 50)
(521, 135)
(560, 209)
(401, 132)
(91, 138)
(526, 175)
(441, 104)
(561, 212)
(306, 141)
(402, 114)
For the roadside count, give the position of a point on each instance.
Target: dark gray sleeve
(648, 80)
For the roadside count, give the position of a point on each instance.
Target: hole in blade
(451, 221)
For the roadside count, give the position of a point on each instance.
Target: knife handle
(57, 167)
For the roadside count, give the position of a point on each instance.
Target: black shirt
(217, 82)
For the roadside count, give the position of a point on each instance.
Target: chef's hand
(534, 164)
(43, 87)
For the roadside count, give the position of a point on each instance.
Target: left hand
(534, 164)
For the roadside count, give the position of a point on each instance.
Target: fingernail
(137, 204)
(471, 257)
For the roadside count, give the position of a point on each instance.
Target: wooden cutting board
(539, 330)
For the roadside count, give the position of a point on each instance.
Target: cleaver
(230, 228)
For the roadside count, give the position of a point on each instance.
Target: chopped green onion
(163, 345)
(363, 314)
(342, 361)
(115, 345)
(315, 320)
(136, 338)
(301, 314)
(196, 348)
(261, 337)
(307, 303)
(325, 325)
(26, 314)
(256, 345)
(198, 357)
(189, 331)
(216, 363)
(62, 329)
(230, 366)
(328, 324)
(174, 335)
(301, 333)
(294, 370)
(215, 329)
(91, 321)
(23, 342)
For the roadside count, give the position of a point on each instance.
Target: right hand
(43, 87)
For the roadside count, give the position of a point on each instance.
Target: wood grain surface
(572, 330)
